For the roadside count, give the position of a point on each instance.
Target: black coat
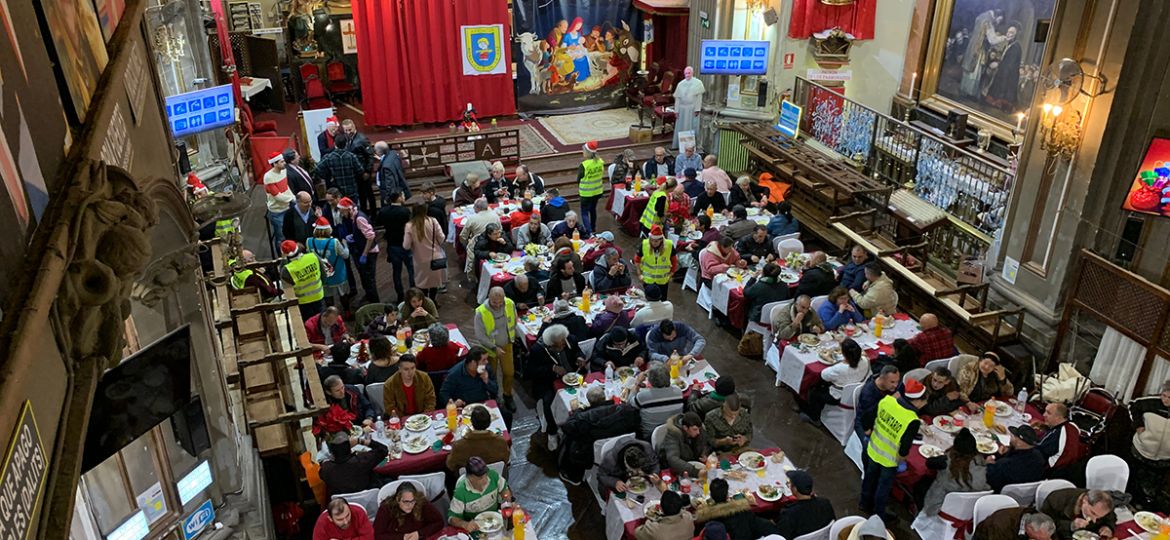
(576, 324)
(715, 201)
(325, 142)
(760, 193)
(391, 177)
(356, 472)
(484, 246)
(528, 297)
(650, 168)
(593, 424)
(541, 362)
(554, 289)
(761, 293)
(803, 517)
(298, 182)
(296, 229)
(602, 354)
(816, 281)
(361, 148)
(438, 210)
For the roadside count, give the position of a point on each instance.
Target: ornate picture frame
(749, 85)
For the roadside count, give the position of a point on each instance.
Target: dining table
(531, 321)
(503, 209)
(455, 533)
(697, 377)
(358, 358)
(499, 272)
(1130, 530)
(627, 206)
(623, 514)
(433, 457)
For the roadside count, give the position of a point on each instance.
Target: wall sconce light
(1060, 131)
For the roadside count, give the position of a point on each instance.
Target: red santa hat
(193, 181)
(289, 248)
(345, 202)
(332, 120)
(591, 146)
(660, 180)
(656, 232)
(322, 223)
(914, 389)
(274, 157)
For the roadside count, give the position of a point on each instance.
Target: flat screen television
(144, 390)
(733, 57)
(201, 110)
(1150, 191)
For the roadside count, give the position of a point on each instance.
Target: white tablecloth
(793, 361)
(438, 428)
(619, 200)
(259, 84)
(944, 440)
(701, 372)
(618, 512)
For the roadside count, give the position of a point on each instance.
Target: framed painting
(81, 49)
(985, 57)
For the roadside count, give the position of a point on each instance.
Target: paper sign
(686, 139)
(314, 120)
(830, 75)
(152, 503)
(789, 118)
(1011, 269)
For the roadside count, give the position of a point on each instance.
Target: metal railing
(970, 186)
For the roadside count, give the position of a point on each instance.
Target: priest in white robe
(688, 101)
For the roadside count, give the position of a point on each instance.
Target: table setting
(359, 352)
(801, 361)
(420, 443)
(504, 268)
(1143, 526)
(502, 208)
(694, 376)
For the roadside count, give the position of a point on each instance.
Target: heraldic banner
(483, 49)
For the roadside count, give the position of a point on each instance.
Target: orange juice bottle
(878, 322)
(517, 523)
(637, 182)
(585, 294)
(401, 335)
(711, 212)
(451, 415)
(989, 414)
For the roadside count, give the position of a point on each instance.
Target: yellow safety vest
(306, 276)
(489, 320)
(892, 421)
(650, 216)
(224, 227)
(590, 185)
(656, 265)
(241, 277)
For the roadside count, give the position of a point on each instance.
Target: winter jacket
(975, 387)
(817, 281)
(681, 525)
(1149, 413)
(944, 483)
(676, 450)
(764, 292)
(716, 427)
(603, 352)
(394, 394)
(879, 296)
(713, 261)
(737, 517)
(610, 471)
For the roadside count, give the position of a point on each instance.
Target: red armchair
(663, 96)
(637, 88)
(338, 81)
(315, 96)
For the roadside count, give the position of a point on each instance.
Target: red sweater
(438, 359)
(359, 528)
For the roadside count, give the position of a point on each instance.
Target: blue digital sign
(201, 110)
(733, 57)
(789, 118)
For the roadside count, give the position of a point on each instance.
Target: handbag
(327, 267)
(751, 345)
(439, 263)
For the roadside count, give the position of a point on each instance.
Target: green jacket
(716, 427)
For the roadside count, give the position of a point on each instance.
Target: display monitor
(733, 57)
(789, 123)
(1150, 191)
(201, 110)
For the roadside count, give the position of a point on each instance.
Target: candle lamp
(1060, 134)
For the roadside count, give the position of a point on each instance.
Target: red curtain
(669, 47)
(409, 60)
(811, 16)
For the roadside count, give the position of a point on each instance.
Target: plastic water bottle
(608, 373)
(1021, 401)
(379, 426)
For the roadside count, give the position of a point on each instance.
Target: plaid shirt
(933, 344)
(342, 170)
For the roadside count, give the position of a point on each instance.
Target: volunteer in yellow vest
(243, 277)
(495, 330)
(225, 227)
(304, 272)
(893, 430)
(589, 186)
(655, 212)
(656, 261)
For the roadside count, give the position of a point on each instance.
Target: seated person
(691, 184)
(523, 292)
(659, 402)
(942, 393)
(817, 278)
(479, 441)
(852, 275)
(808, 513)
(717, 258)
(554, 208)
(552, 356)
(563, 314)
(618, 348)
(879, 294)
(409, 391)
(479, 490)
(603, 246)
(985, 379)
(748, 194)
(656, 309)
(470, 381)
(1008, 522)
(740, 226)
(1076, 509)
(685, 444)
(757, 247)
(798, 318)
(525, 182)
(565, 282)
(440, 353)
(729, 428)
(338, 366)
(615, 315)
(783, 223)
(533, 271)
(710, 198)
(348, 471)
(491, 244)
(563, 247)
(854, 369)
(631, 459)
(1061, 444)
(610, 274)
(765, 290)
(602, 420)
(520, 218)
(724, 388)
(1018, 463)
(533, 232)
(839, 311)
(343, 520)
(669, 337)
(324, 329)
(735, 514)
(571, 224)
(960, 470)
(349, 399)
(934, 341)
(407, 512)
(386, 324)
(675, 521)
(417, 310)
(383, 361)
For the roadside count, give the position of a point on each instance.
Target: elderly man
(1076, 509)
(589, 184)
(656, 261)
(711, 199)
(1061, 444)
(799, 318)
(347, 397)
(299, 219)
(893, 430)
(470, 191)
(853, 274)
(477, 223)
(495, 330)
(1018, 463)
(343, 520)
(817, 278)
(879, 296)
(278, 197)
(325, 329)
(934, 341)
(610, 274)
(521, 291)
(327, 139)
(570, 225)
(388, 172)
(527, 182)
(662, 164)
(341, 169)
(712, 173)
(552, 356)
(757, 247)
(740, 226)
(348, 471)
(659, 402)
(669, 337)
(1151, 453)
(298, 178)
(533, 232)
(358, 233)
(1009, 523)
(615, 315)
(688, 159)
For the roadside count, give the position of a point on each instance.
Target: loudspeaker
(762, 97)
(1131, 234)
(190, 427)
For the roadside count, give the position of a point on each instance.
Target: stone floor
(563, 511)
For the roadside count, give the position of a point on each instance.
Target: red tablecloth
(758, 507)
(737, 306)
(505, 222)
(632, 215)
(426, 462)
(1130, 528)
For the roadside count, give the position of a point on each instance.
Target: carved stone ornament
(164, 275)
(108, 250)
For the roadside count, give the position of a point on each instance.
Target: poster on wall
(81, 50)
(1150, 191)
(348, 37)
(577, 55)
(483, 49)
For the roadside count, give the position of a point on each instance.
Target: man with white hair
(495, 330)
(533, 232)
(688, 159)
(570, 225)
(325, 143)
(712, 173)
(477, 224)
(388, 172)
(552, 356)
(1011, 522)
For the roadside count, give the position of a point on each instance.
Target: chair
(1107, 472)
(789, 245)
(339, 83)
(1048, 486)
(553, 225)
(956, 363)
(941, 362)
(374, 393)
(662, 97)
(542, 422)
(1023, 493)
(776, 240)
(819, 301)
(667, 117)
(843, 523)
(959, 507)
(704, 300)
(516, 237)
(917, 374)
(839, 419)
(434, 485)
(315, 96)
(361, 388)
(634, 90)
(822, 534)
(587, 347)
(497, 466)
(366, 315)
(657, 436)
(389, 489)
(600, 449)
(763, 327)
(437, 377)
(454, 192)
(691, 280)
(367, 499)
(1092, 412)
(990, 504)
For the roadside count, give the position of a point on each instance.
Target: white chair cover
(543, 422)
(554, 224)
(819, 301)
(956, 363)
(917, 374)
(821, 534)
(704, 299)
(776, 240)
(367, 499)
(989, 504)
(1048, 486)
(657, 436)
(842, 524)
(374, 394)
(1023, 493)
(516, 237)
(789, 245)
(763, 327)
(943, 362)
(958, 504)
(600, 449)
(838, 419)
(587, 347)
(691, 280)
(853, 450)
(434, 484)
(1107, 472)
(389, 489)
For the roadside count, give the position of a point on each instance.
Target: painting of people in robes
(991, 62)
(575, 55)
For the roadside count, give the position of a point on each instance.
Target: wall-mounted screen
(1150, 191)
(789, 123)
(733, 57)
(201, 110)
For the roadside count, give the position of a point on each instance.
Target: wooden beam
(276, 356)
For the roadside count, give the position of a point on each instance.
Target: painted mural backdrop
(574, 55)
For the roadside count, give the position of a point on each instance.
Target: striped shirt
(656, 405)
(466, 502)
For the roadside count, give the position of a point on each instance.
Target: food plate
(752, 461)
(985, 446)
(930, 451)
(695, 235)
(653, 510)
(736, 272)
(415, 445)
(572, 379)
(490, 522)
(789, 277)
(418, 422)
(769, 492)
(1148, 521)
(830, 358)
(501, 258)
(624, 372)
(1084, 535)
(809, 339)
(699, 502)
(1001, 408)
(945, 423)
(638, 485)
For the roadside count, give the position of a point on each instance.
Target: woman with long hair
(423, 236)
(407, 515)
(334, 254)
(962, 469)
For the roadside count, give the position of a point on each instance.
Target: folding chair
(789, 246)
(435, 486)
(390, 489)
(838, 419)
(1107, 472)
(957, 511)
(374, 394)
(841, 524)
(776, 240)
(943, 362)
(917, 374)
(367, 500)
(691, 280)
(657, 436)
(990, 504)
(822, 534)
(763, 327)
(956, 363)
(1048, 486)
(600, 449)
(704, 300)
(587, 347)
(1023, 493)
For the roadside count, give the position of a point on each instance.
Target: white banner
(483, 49)
(830, 75)
(314, 121)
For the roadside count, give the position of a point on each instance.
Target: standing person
(325, 139)
(423, 239)
(394, 217)
(303, 270)
(388, 172)
(495, 330)
(688, 102)
(358, 145)
(894, 428)
(884, 383)
(356, 230)
(341, 169)
(435, 203)
(656, 261)
(1151, 447)
(662, 164)
(655, 212)
(589, 186)
(551, 357)
(300, 218)
(279, 197)
(299, 180)
(333, 253)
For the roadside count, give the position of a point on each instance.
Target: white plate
(779, 494)
(929, 450)
(1151, 519)
(645, 486)
(744, 457)
(490, 522)
(789, 277)
(572, 379)
(987, 447)
(949, 427)
(652, 506)
(412, 449)
(418, 419)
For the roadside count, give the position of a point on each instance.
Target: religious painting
(109, 12)
(81, 51)
(577, 55)
(985, 57)
(348, 37)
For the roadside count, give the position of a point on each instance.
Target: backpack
(327, 268)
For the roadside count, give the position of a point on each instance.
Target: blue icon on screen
(758, 64)
(222, 99)
(723, 51)
(708, 64)
(180, 125)
(721, 64)
(709, 51)
(760, 51)
(225, 114)
(180, 108)
(747, 51)
(733, 64)
(735, 51)
(195, 121)
(209, 102)
(194, 105)
(209, 118)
